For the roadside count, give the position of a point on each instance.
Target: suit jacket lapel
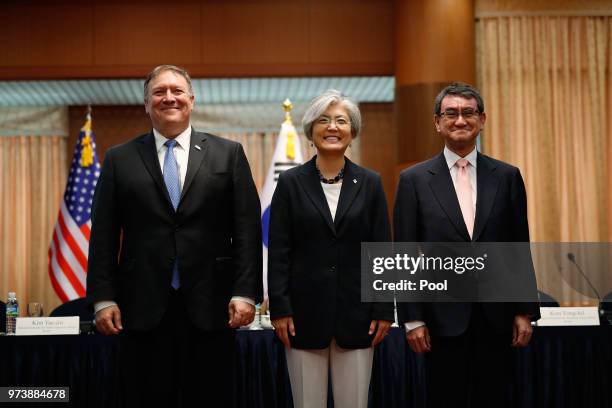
(312, 186)
(148, 154)
(198, 149)
(351, 184)
(487, 185)
(443, 189)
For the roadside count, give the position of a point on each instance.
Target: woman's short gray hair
(319, 105)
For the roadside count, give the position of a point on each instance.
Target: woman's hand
(381, 327)
(283, 326)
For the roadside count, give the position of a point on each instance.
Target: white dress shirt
(451, 158)
(332, 195)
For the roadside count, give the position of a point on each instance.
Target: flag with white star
(70, 243)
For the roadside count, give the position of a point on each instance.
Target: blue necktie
(173, 184)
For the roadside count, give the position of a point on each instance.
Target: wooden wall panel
(417, 139)
(130, 34)
(378, 144)
(214, 38)
(111, 125)
(262, 32)
(351, 31)
(445, 34)
(31, 35)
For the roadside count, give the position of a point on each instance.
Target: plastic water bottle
(12, 311)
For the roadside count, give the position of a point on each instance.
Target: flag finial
(87, 148)
(290, 148)
(287, 106)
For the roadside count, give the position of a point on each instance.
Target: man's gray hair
(319, 105)
(158, 70)
(460, 89)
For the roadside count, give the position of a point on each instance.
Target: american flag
(70, 244)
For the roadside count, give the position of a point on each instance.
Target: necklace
(334, 180)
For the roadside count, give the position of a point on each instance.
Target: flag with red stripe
(70, 243)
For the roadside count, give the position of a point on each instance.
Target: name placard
(47, 326)
(569, 316)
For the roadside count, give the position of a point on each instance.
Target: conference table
(563, 367)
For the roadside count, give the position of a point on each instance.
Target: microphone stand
(603, 316)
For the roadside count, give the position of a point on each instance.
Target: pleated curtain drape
(547, 86)
(33, 174)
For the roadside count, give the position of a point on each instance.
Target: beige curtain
(33, 174)
(548, 92)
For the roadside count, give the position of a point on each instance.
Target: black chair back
(76, 307)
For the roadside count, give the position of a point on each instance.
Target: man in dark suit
(175, 252)
(464, 196)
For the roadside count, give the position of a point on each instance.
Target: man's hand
(419, 340)
(381, 327)
(108, 320)
(283, 326)
(240, 313)
(521, 331)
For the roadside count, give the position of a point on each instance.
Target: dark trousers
(471, 370)
(176, 365)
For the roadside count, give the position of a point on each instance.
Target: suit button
(332, 269)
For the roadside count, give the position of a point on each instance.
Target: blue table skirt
(563, 367)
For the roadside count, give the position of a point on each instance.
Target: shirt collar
(452, 157)
(183, 139)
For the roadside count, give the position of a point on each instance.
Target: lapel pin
(355, 181)
(197, 147)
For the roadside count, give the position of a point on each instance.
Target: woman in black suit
(321, 213)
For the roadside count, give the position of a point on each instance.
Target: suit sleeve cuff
(244, 299)
(413, 325)
(103, 305)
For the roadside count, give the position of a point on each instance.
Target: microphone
(572, 259)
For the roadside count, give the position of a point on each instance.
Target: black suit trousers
(472, 370)
(176, 364)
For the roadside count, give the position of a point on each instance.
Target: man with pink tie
(460, 196)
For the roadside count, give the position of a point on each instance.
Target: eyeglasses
(327, 121)
(467, 114)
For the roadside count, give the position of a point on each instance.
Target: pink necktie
(464, 194)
